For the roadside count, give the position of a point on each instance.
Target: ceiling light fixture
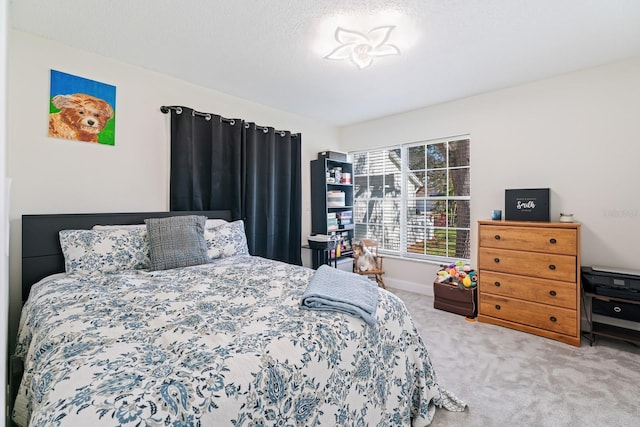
(361, 48)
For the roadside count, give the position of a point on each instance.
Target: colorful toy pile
(458, 273)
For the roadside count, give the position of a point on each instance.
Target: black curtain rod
(165, 109)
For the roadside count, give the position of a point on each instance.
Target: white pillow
(104, 251)
(228, 239)
(120, 227)
(210, 223)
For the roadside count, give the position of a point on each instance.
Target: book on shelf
(335, 198)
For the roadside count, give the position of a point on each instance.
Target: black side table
(320, 256)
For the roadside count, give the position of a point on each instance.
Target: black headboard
(41, 252)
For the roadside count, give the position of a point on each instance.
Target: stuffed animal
(470, 280)
(458, 273)
(365, 261)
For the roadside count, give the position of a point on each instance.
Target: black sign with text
(530, 204)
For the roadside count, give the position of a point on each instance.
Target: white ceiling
(271, 51)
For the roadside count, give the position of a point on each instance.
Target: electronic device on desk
(612, 282)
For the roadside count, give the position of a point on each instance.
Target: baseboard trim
(403, 285)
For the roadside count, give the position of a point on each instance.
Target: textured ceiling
(271, 51)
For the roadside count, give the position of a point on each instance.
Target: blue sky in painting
(66, 84)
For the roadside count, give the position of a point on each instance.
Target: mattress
(223, 343)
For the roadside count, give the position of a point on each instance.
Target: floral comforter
(218, 344)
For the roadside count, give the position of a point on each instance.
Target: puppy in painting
(82, 117)
(365, 261)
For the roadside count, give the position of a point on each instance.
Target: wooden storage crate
(449, 297)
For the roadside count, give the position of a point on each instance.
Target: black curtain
(254, 171)
(206, 156)
(272, 206)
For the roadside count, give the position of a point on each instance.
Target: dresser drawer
(556, 319)
(529, 264)
(561, 294)
(535, 239)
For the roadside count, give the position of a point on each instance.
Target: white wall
(61, 176)
(576, 134)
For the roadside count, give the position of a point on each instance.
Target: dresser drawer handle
(497, 260)
(552, 293)
(497, 237)
(553, 241)
(552, 267)
(497, 284)
(553, 319)
(497, 306)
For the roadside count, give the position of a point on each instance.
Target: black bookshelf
(330, 181)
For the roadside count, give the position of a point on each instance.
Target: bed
(108, 339)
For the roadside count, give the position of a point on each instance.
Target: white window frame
(404, 202)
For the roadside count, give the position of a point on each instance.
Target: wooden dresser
(529, 277)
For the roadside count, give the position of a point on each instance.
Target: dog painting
(82, 117)
(81, 109)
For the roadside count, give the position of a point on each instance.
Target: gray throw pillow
(176, 241)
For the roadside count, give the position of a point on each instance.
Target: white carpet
(512, 378)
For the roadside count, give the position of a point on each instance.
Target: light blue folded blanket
(331, 289)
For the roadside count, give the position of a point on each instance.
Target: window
(415, 198)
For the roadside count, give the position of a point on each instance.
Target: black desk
(606, 329)
(321, 256)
